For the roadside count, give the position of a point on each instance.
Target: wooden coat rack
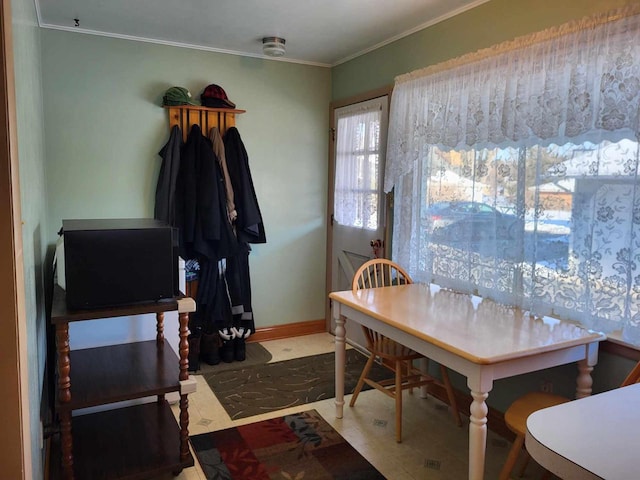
(185, 116)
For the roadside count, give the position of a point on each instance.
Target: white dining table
(478, 338)
(590, 438)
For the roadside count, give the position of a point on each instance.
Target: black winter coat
(201, 210)
(249, 226)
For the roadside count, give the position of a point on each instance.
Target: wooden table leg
(64, 396)
(340, 361)
(584, 382)
(477, 435)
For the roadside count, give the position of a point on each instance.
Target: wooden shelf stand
(142, 441)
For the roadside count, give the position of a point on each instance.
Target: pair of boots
(203, 346)
(227, 345)
(233, 346)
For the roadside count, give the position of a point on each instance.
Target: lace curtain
(515, 172)
(358, 162)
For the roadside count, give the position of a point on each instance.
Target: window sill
(616, 346)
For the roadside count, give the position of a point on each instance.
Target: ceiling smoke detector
(273, 46)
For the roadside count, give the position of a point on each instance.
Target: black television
(113, 262)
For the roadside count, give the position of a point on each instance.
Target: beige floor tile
(433, 447)
(288, 348)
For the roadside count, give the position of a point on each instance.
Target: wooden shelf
(185, 116)
(202, 108)
(61, 314)
(152, 445)
(135, 370)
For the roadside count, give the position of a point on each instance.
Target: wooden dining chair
(516, 419)
(381, 272)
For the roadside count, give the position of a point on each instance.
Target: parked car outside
(455, 221)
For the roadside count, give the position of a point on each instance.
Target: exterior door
(357, 223)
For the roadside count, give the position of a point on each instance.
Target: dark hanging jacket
(249, 229)
(201, 210)
(249, 226)
(165, 208)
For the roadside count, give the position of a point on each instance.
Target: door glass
(358, 166)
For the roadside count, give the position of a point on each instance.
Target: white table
(589, 438)
(480, 339)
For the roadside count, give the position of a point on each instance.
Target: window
(516, 174)
(545, 234)
(358, 164)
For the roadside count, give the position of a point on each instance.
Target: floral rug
(293, 447)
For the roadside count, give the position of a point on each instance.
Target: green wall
(31, 155)
(481, 27)
(104, 127)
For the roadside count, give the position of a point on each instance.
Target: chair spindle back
(379, 272)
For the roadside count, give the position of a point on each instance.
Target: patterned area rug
(274, 386)
(295, 447)
(256, 355)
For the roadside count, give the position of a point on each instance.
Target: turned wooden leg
(584, 380)
(160, 329)
(160, 340)
(183, 346)
(184, 427)
(340, 361)
(64, 397)
(66, 444)
(477, 434)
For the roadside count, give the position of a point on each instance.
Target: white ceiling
(326, 32)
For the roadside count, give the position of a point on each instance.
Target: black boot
(209, 348)
(194, 340)
(239, 349)
(226, 349)
(239, 342)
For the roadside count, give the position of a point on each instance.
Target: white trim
(179, 44)
(134, 38)
(428, 24)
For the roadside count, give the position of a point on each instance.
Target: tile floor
(433, 447)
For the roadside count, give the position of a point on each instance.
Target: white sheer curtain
(358, 164)
(516, 173)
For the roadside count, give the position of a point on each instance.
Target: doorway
(357, 203)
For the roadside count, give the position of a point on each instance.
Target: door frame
(363, 97)
(15, 441)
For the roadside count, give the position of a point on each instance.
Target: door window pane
(358, 165)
